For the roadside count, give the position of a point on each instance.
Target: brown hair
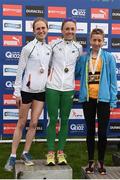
(67, 20)
(40, 19)
(97, 31)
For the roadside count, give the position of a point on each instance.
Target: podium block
(41, 171)
(112, 172)
(116, 159)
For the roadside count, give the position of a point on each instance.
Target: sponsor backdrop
(16, 19)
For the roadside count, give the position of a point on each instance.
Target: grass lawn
(76, 156)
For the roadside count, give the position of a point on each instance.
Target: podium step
(112, 173)
(41, 171)
(116, 159)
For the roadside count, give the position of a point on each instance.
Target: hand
(18, 101)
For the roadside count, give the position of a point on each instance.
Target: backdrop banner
(16, 18)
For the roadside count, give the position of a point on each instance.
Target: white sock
(24, 152)
(13, 155)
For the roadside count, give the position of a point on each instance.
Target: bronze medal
(66, 70)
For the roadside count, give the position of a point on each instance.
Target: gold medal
(66, 70)
(92, 78)
(41, 70)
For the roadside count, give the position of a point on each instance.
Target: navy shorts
(29, 97)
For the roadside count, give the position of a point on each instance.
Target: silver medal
(41, 70)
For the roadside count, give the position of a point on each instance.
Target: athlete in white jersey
(30, 89)
(60, 88)
(65, 55)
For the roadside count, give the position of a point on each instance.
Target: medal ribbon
(67, 49)
(41, 53)
(93, 68)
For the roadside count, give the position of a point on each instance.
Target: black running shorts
(29, 97)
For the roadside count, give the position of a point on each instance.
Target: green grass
(76, 156)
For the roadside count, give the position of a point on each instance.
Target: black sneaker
(101, 168)
(27, 159)
(10, 164)
(90, 168)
